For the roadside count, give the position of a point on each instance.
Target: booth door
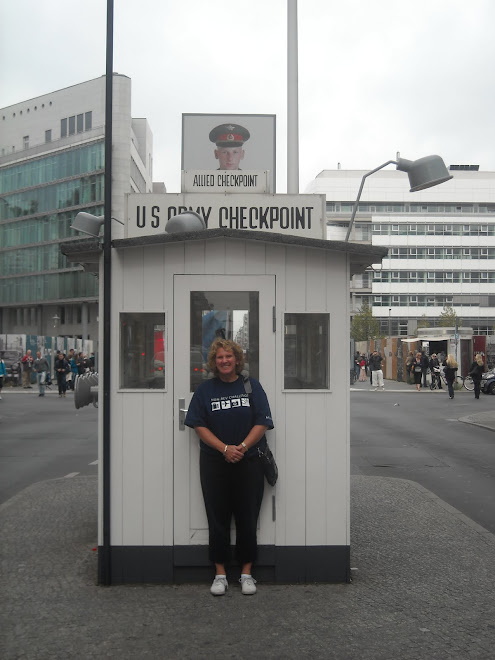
(236, 307)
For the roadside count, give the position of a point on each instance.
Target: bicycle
(439, 376)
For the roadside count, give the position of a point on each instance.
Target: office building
(441, 244)
(52, 157)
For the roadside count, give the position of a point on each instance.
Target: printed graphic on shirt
(228, 402)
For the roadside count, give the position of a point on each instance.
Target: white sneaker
(248, 585)
(219, 586)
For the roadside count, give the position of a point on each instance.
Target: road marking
(71, 474)
(94, 462)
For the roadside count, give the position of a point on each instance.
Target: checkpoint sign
(296, 215)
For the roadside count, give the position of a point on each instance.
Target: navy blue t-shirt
(227, 411)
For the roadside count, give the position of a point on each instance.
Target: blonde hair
(451, 362)
(227, 345)
(479, 359)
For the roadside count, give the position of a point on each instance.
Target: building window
(142, 351)
(25, 142)
(72, 125)
(48, 136)
(306, 351)
(88, 121)
(80, 123)
(63, 128)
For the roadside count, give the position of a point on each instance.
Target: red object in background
(159, 348)
(479, 345)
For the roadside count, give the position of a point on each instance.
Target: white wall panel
(132, 469)
(132, 275)
(157, 484)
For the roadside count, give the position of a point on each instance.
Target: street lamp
(423, 173)
(389, 326)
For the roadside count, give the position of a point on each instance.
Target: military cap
(229, 135)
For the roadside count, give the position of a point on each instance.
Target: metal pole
(355, 207)
(104, 558)
(292, 100)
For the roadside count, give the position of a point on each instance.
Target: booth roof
(362, 255)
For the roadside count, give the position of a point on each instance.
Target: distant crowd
(67, 368)
(443, 368)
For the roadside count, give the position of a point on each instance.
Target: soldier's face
(229, 157)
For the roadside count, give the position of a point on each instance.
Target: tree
(448, 318)
(423, 322)
(364, 326)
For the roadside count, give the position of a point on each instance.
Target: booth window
(142, 351)
(306, 351)
(232, 315)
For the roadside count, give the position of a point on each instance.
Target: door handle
(182, 414)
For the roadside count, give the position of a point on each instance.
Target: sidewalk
(423, 585)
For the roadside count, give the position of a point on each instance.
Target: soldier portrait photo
(229, 140)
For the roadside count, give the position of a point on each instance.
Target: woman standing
(61, 369)
(450, 367)
(231, 426)
(362, 369)
(417, 371)
(409, 361)
(476, 371)
(41, 368)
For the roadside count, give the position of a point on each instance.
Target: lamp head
(87, 223)
(188, 221)
(424, 172)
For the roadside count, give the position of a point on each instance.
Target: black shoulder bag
(266, 457)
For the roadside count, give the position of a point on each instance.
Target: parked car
(488, 382)
(12, 361)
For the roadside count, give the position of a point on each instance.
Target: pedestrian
(417, 371)
(41, 367)
(476, 371)
(409, 361)
(362, 369)
(231, 426)
(27, 368)
(435, 371)
(62, 367)
(450, 367)
(376, 371)
(424, 367)
(74, 370)
(357, 367)
(3, 374)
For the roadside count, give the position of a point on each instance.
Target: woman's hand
(233, 454)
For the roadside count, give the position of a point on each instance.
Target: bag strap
(247, 385)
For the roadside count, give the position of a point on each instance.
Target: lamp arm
(356, 203)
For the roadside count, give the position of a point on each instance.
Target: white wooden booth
(286, 299)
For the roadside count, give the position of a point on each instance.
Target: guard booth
(285, 298)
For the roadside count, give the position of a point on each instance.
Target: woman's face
(226, 364)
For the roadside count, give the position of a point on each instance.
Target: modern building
(52, 156)
(441, 245)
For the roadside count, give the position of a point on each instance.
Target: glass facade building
(51, 168)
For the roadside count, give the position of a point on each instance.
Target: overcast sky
(375, 76)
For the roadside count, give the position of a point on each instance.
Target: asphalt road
(401, 434)
(44, 438)
(417, 436)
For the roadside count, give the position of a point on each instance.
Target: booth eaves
(87, 252)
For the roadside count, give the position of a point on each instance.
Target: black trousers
(232, 490)
(477, 387)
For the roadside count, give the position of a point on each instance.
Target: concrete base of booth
(181, 564)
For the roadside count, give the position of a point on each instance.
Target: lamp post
(389, 326)
(423, 173)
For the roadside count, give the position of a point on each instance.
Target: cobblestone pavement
(423, 585)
